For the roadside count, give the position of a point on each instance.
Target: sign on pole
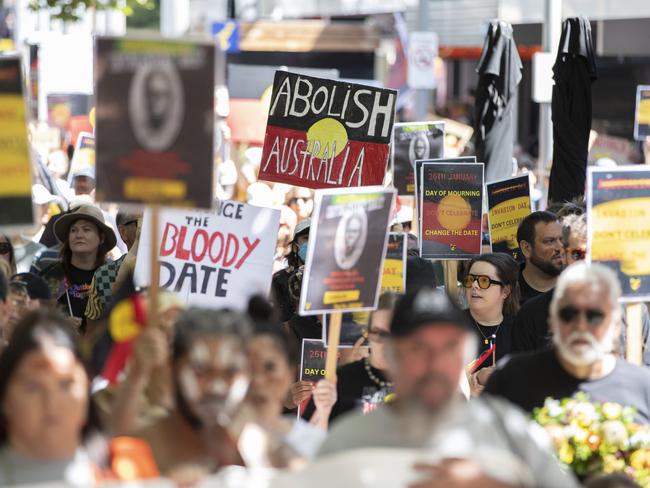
(213, 259)
(422, 53)
(326, 134)
(346, 250)
(618, 217)
(642, 113)
(412, 142)
(15, 161)
(155, 121)
(508, 205)
(452, 207)
(84, 154)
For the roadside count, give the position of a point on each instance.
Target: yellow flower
(611, 464)
(614, 432)
(611, 410)
(640, 459)
(580, 435)
(566, 454)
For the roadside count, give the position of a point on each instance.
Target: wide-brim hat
(85, 212)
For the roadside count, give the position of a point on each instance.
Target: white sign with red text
(214, 259)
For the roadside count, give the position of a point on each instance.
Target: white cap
(405, 214)
(41, 195)
(227, 173)
(260, 194)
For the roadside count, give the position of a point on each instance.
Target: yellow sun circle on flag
(122, 325)
(454, 212)
(330, 133)
(91, 117)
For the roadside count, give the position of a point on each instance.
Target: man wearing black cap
(485, 442)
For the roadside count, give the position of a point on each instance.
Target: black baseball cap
(35, 286)
(426, 306)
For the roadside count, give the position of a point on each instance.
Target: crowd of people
(215, 393)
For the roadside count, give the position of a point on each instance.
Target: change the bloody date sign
(325, 134)
(452, 208)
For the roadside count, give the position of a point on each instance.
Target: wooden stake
(451, 278)
(154, 288)
(634, 335)
(333, 339)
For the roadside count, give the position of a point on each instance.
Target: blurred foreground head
(209, 364)
(431, 342)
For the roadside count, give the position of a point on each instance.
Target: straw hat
(85, 212)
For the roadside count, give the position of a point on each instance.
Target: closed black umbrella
(499, 72)
(574, 71)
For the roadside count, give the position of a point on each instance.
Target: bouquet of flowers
(593, 438)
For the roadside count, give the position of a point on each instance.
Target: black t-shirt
(503, 338)
(355, 390)
(531, 329)
(77, 284)
(528, 379)
(527, 291)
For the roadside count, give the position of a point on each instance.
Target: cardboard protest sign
(155, 121)
(84, 154)
(452, 209)
(393, 279)
(412, 142)
(642, 113)
(346, 250)
(312, 365)
(15, 163)
(618, 217)
(213, 259)
(324, 133)
(508, 205)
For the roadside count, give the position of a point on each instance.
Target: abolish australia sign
(323, 133)
(212, 259)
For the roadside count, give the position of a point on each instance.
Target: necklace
(486, 340)
(373, 377)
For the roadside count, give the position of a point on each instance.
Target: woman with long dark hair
(8, 254)
(492, 293)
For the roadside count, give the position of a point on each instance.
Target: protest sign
(452, 207)
(312, 365)
(618, 216)
(346, 250)
(155, 121)
(393, 279)
(61, 107)
(508, 205)
(325, 134)
(15, 163)
(84, 154)
(642, 113)
(412, 142)
(214, 259)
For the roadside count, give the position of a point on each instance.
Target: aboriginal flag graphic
(326, 134)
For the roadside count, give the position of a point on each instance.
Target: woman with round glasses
(492, 292)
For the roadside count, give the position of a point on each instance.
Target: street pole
(422, 97)
(551, 32)
(174, 17)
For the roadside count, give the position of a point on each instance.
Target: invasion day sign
(15, 162)
(213, 259)
(618, 217)
(346, 250)
(393, 279)
(325, 134)
(452, 208)
(155, 121)
(508, 205)
(412, 142)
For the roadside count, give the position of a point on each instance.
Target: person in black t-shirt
(492, 293)
(86, 240)
(540, 239)
(585, 322)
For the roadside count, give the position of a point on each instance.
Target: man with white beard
(585, 320)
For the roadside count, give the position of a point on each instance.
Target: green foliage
(73, 10)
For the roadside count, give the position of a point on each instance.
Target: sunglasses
(484, 281)
(570, 314)
(577, 254)
(5, 248)
(130, 222)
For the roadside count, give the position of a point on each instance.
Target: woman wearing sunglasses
(492, 292)
(7, 254)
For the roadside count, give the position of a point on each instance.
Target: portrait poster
(618, 220)
(346, 250)
(213, 259)
(15, 163)
(324, 133)
(452, 210)
(414, 141)
(155, 121)
(642, 113)
(508, 204)
(393, 279)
